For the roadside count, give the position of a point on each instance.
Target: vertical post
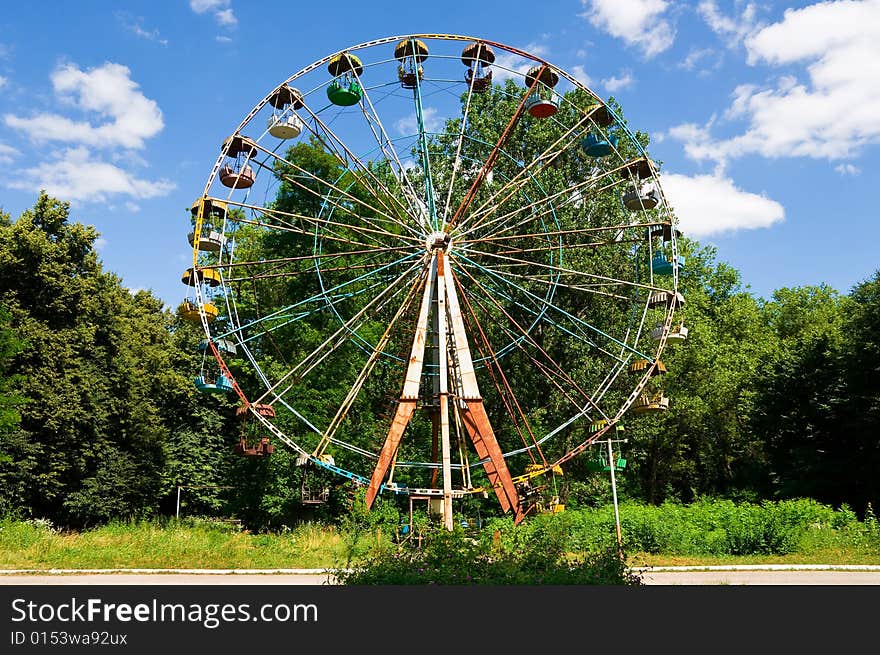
(614, 496)
(445, 444)
(177, 514)
(423, 141)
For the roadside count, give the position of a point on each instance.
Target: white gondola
(287, 126)
(676, 333)
(211, 237)
(225, 346)
(284, 123)
(210, 241)
(666, 299)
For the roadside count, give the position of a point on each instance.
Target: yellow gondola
(650, 403)
(190, 310)
(643, 364)
(208, 276)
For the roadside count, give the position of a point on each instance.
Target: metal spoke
(527, 337)
(546, 157)
(366, 169)
(546, 303)
(333, 341)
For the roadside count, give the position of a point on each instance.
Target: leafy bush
(706, 527)
(453, 558)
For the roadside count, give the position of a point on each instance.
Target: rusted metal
(474, 417)
(410, 394)
(478, 428)
(405, 409)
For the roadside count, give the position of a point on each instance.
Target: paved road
(768, 575)
(798, 577)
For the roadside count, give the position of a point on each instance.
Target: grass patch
(708, 533)
(175, 545)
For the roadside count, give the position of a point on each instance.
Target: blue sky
(765, 115)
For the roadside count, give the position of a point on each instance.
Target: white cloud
(201, 6)
(75, 175)
(510, 65)
(697, 139)
(221, 10)
(136, 27)
(638, 23)
(698, 55)
(580, 74)
(614, 84)
(100, 243)
(733, 29)
(812, 31)
(831, 116)
(3, 81)
(847, 169)
(7, 154)
(222, 39)
(226, 17)
(149, 35)
(409, 124)
(109, 93)
(712, 204)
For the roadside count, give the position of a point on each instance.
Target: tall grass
(175, 545)
(712, 529)
(709, 531)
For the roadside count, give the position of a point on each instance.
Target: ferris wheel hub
(439, 241)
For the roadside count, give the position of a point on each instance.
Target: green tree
(857, 449)
(10, 403)
(800, 393)
(108, 382)
(704, 445)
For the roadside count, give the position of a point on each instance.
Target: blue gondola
(663, 266)
(597, 146)
(221, 384)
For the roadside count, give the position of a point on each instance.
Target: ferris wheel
(438, 265)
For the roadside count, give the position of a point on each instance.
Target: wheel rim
(525, 269)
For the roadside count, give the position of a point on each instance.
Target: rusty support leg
(477, 425)
(409, 396)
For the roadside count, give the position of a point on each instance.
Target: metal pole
(614, 495)
(445, 444)
(177, 514)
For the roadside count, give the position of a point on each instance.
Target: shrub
(453, 558)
